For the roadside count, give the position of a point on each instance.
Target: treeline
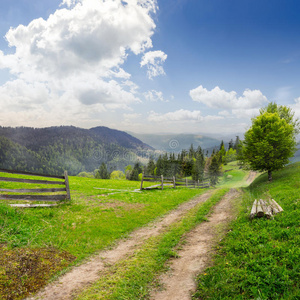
(188, 163)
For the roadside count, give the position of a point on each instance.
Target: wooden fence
(39, 193)
(172, 181)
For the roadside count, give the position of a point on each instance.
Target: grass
(233, 177)
(93, 220)
(132, 278)
(259, 259)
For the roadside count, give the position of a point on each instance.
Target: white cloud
(220, 99)
(154, 60)
(154, 96)
(75, 56)
(179, 115)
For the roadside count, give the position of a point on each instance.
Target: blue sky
(147, 66)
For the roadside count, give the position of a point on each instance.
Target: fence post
(198, 183)
(174, 182)
(162, 182)
(186, 182)
(142, 181)
(67, 185)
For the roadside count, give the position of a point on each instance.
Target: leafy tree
(102, 173)
(268, 143)
(198, 167)
(285, 113)
(117, 175)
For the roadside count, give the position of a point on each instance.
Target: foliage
(117, 175)
(285, 113)
(259, 259)
(268, 143)
(86, 174)
(214, 169)
(55, 149)
(102, 173)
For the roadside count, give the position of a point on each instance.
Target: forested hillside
(55, 149)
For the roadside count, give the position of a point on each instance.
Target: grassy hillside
(259, 259)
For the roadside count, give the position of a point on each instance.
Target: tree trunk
(270, 175)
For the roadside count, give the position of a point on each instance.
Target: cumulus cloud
(220, 99)
(181, 115)
(76, 54)
(154, 60)
(154, 96)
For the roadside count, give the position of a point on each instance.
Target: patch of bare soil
(81, 276)
(251, 176)
(179, 282)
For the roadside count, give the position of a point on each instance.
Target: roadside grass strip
(260, 259)
(133, 277)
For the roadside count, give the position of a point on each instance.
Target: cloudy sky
(147, 66)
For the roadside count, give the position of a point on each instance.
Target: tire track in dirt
(179, 283)
(73, 282)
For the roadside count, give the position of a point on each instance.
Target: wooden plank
(30, 174)
(253, 210)
(54, 190)
(279, 208)
(30, 181)
(162, 182)
(34, 197)
(32, 205)
(67, 185)
(152, 180)
(142, 182)
(266, 208)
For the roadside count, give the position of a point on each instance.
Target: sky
(147, 66)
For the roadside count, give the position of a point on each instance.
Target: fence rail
(25, 193)
(172, 181)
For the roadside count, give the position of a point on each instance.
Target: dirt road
(81, 276)
(179, 283)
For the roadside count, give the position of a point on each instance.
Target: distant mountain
(177, 142)
(55, 149)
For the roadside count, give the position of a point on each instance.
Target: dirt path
(179, 283)
(251, 176)
(79, 277)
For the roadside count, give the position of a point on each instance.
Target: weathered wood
(10, 179)
(259, 210)
(162, 182)
(266, 208)
(67, 185)
(141, 188)
(174, 183)
(32, 205)
(34, 197)
(276, 205)
(30, 174)
(33, 190)
(254, 209)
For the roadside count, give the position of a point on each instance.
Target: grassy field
(260, 259)
(50, 239)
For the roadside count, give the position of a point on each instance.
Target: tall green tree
(214, 169)
(268, 144)
(102, 173)
(285, 113)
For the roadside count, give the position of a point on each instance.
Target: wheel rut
(76, 280)
(179, 282)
